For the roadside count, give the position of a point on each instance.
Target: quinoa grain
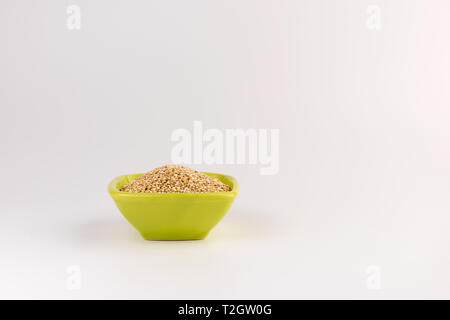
(175, 178)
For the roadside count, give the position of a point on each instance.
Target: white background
(364, 146)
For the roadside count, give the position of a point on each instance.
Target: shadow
(111, 230)
(242, 225)
(97, 231)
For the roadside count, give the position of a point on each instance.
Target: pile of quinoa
(175, 178)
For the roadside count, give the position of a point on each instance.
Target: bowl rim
(114, 191)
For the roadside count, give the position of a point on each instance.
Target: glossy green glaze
(173, 216)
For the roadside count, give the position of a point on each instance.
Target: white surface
(364, 156)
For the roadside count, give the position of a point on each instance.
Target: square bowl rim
(115, 192)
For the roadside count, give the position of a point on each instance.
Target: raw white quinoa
(175, 178)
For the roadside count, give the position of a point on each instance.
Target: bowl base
(196, 239)
(168, 237)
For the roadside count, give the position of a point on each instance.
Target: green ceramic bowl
(173, 216)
